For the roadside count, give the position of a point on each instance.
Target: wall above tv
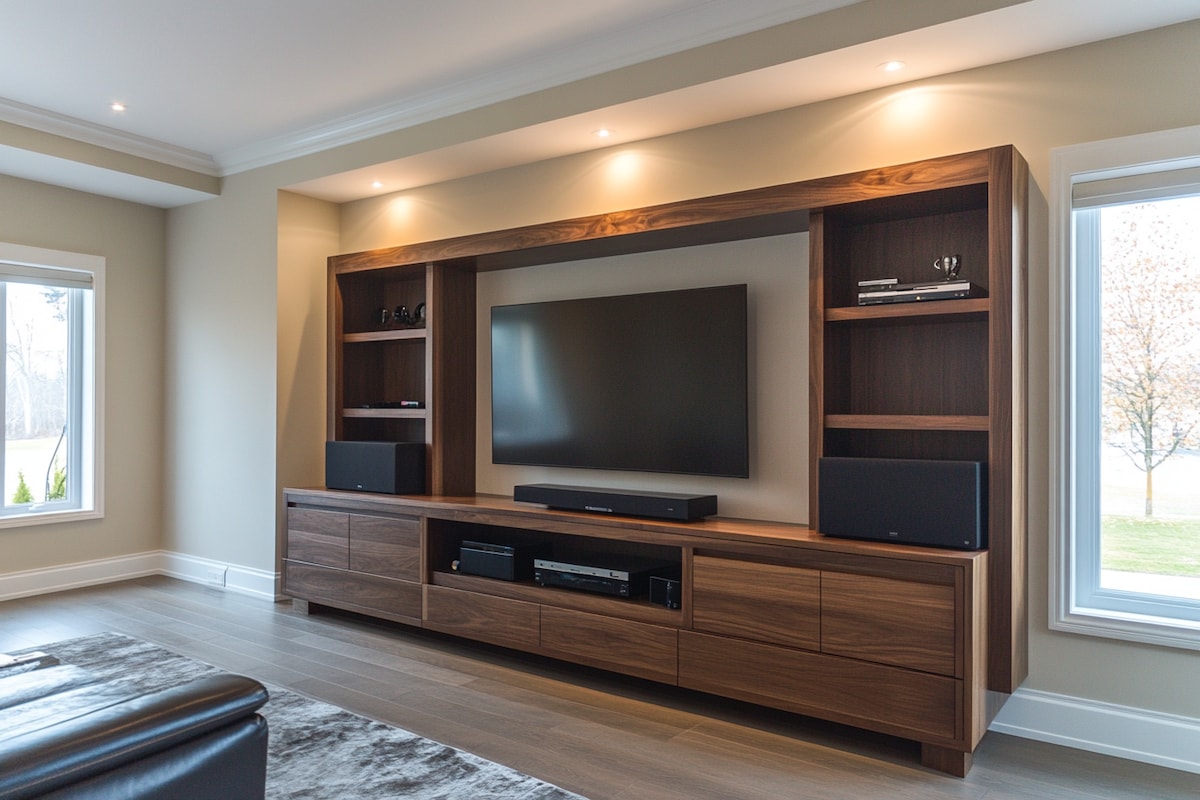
(775, 271)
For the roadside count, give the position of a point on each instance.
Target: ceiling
(222, 86)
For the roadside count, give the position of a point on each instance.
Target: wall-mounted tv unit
(651, 382)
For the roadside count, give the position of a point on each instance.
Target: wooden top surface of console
(499, 510)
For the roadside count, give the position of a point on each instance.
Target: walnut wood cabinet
(883, 637)
(904, 640)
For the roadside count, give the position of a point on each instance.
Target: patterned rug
(317, 750)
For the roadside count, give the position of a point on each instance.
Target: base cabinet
(906, 703)
(882, 637)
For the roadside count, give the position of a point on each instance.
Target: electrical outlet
(216, 575)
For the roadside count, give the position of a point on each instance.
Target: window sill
(48, 517)
(1162, 631)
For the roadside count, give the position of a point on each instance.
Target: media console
(883, 637)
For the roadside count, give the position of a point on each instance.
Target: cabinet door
(499, 620)
(912, 704)
(354, 591)
(388, 546)
(318, 537)
(906, 623)
(634, 648)
(767, 602)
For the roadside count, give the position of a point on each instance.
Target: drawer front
(318, 537)
(354, 591)
(633, 648)
(910, 704)
(889, 621)
(766, 602)
(389, 546)
(511, 623)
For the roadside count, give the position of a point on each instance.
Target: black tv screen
(653, 382)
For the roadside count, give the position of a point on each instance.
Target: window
(50, 305)
(1125, 388)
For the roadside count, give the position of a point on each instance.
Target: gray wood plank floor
(604, 736)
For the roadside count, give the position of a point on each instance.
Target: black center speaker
(386, 467)
(911, 501)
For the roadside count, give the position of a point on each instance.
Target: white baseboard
(1152, 737)
(74, 576)
(230, 577)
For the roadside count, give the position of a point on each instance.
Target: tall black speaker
(388, 467)
(912, 501)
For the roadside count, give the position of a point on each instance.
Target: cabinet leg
(299, 606)
(943, 759)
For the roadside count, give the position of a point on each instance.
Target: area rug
(317, 750)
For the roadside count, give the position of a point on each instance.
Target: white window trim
(93, 440)
(1070, 487)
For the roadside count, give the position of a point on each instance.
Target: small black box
(503, 561)
(387, 467)
(664, 591)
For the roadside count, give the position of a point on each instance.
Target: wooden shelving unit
(905, 640)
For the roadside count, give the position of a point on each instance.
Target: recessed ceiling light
(117, 106)
(892, 66)
(603, 133)
(377, 184)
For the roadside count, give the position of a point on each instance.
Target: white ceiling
(221, 86)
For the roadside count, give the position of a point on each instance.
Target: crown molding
(109, 138)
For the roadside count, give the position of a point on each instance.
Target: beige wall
(131, 238)
(308, 233)
(221, 399)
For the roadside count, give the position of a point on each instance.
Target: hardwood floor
(604, 736)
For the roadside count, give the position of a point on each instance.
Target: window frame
(89, 447)
(1078, 603)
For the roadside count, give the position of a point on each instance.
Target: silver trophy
(949, 265)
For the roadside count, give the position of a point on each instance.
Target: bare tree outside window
(1150, 385)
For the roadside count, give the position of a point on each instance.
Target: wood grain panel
(766, 602)
(632, 648)
(889, 621)
(915, 705)
(511, 623)
(318, 537)
(388, 546)
(354, 591)
(738, 215)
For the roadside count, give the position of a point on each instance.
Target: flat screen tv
(652, 382)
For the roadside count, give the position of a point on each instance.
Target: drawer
(354, 591)
(914, 705)
(766, 602)
(499, 620)
(889, 621)
(633, 648)
(318, 537)
(388, 546)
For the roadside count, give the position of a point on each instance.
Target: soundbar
(627, 502)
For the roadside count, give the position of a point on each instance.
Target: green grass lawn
(1151, 546)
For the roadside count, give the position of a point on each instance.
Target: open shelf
(385, 336)
(636, 609)
(385, 413)
(899, 422)
(930, 309)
